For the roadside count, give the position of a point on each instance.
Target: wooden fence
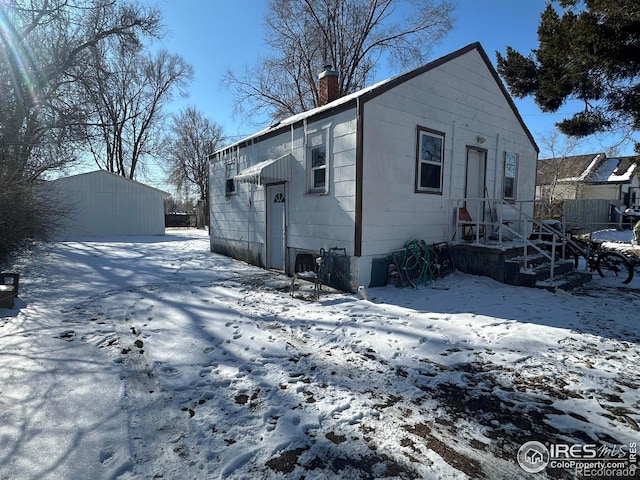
(591, 214)
(180, 219)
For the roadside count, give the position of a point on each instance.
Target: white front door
(476, 182)
(276, 203)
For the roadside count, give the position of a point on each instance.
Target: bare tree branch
(192, 138)
(46, 45)
(351, 35)
(129, 90)
(45, 48)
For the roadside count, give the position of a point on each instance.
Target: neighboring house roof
(614, 170)
(348, 101)
(114, 176)
(593, 168)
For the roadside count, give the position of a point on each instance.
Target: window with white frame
(510, 175)
(318, 161)
(429, 161)
(231, 171)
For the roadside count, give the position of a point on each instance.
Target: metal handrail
(523, 219)
(555, 234)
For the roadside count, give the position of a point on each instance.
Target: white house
(371, 170)
(100, 203)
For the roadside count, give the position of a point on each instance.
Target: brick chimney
(328, 81)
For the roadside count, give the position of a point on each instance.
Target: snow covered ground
(153, 358)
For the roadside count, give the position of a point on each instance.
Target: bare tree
(350, 35)
(556, 177)
(192, 138)
(45, 47)
(129, 90)
(47, 44)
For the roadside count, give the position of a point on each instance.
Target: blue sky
(216, 35)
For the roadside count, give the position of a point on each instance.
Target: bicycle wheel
(614, 265)
(446, 262)
(413, 268)
(441, 261)
(571, 254)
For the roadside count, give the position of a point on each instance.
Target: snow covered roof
(589, 168)
(275, 169)
(105, 175)
(349, 101)
(610, 171)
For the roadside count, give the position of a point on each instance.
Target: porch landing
(507, 264)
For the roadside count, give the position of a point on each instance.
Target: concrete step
(539, 270)
(566, 282)
(508, 266)
(565, 277)
(518, 252)
(531, 261)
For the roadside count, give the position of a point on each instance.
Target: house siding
(632, 190)
(461, 99)
(599, 192)
(373, 149)
(314, 221)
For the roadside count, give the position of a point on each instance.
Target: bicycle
(441, 260)
(607, 263)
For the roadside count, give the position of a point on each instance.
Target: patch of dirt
(453, 457)
(190, 410)
(389, 402)
(286, 462)
(497, 413)
(334, 438)
(419, 429)
(456, 459)
(554, 387)
(244, 399)
(365, 467)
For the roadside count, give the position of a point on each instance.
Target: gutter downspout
(357, 240)
(495, 170)
(451, 168)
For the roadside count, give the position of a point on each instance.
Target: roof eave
(350, 101)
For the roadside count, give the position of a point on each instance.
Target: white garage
(100, 203)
